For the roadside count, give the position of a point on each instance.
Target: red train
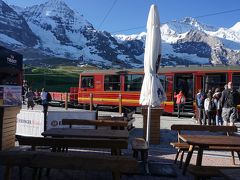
(114, 88)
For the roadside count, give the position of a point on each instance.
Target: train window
(87, 82)
(236, 81)
(133, 82)
(112, 83)
(213, 81)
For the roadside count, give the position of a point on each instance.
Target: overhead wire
(195, 17)
(107, 14)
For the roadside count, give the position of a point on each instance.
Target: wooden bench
(203, 172)
(108, 123)
(63, 143)
(72, 161)
(140, 145)
(183, 147)
(128, 117)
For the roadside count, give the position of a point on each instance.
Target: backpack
(49, 97)
(182, 101)
(232, 99)
(200, 100)
(212, 106)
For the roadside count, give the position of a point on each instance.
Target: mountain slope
(65, 33)
(50, 30)
(14, 29)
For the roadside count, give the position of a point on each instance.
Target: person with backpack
(180, 101)
(200, 97)
(30, 95)
(210, 109)
(216, 99)
(229, 100)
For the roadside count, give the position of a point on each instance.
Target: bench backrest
(119, 118)
(188, 127)
(73, 161)
(71, 122)
(72, 142)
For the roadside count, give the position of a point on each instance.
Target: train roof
(170, 69)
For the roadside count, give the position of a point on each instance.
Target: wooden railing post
(66, 101)
(120, 103)
(91, 102)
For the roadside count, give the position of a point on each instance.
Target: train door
(184, 82)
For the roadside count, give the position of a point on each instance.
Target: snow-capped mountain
(52, 29)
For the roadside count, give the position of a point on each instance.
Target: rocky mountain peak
(53, 29)
(15, 28)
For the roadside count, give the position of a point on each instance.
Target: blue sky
(129, 14)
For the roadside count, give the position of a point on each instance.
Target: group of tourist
(216, 107)
(35, 97)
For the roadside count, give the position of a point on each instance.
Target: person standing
(24, 90)
(180, 101)
(200, 97)
(30, 96)
(229, 100)
(209, 108)
(44, 95)
(216, 99)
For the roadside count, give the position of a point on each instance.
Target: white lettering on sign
(11, 60)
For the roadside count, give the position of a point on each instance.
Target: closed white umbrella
(152, 92)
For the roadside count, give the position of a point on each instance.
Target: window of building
(133, 82)
(112, 83)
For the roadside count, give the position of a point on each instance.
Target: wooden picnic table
(87, 133)
(203, 142)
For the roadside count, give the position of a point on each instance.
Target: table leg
(199, 156)
(188, 158)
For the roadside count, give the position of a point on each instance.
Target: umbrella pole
(148, 136)
(148, 124)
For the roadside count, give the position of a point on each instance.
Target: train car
(112, 88)
(60, 98)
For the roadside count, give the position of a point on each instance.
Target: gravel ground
(162, 153)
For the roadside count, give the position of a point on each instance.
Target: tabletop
(210, 140)
(87, 133)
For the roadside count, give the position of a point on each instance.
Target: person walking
(229, 100)
(200, 97)
(30, 96)
(180, 101)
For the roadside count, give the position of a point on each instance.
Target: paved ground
(162, 153)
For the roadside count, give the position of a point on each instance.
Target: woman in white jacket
(209, 108)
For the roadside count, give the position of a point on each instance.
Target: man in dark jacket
(229, 100)
(200, 97)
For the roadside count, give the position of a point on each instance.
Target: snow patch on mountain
(55, 30)
(6, 39)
